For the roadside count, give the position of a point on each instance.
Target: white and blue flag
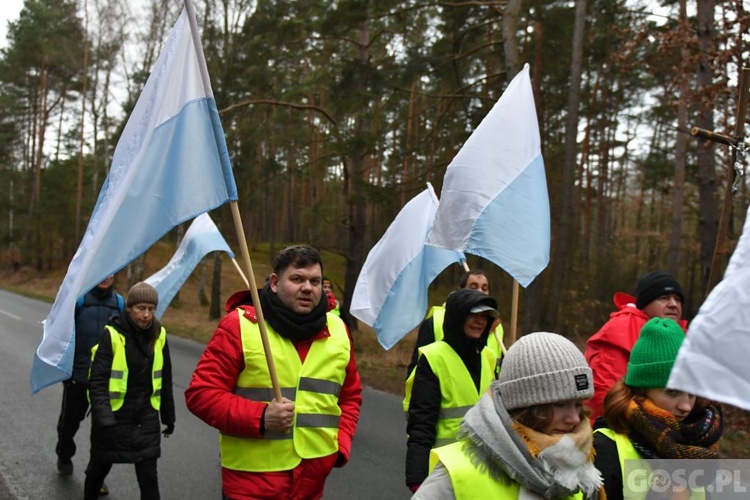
(494, 201)
(202, 238)
(170, 164)
(391, 290)
(713, 359)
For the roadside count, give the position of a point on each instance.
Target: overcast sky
(9, 12)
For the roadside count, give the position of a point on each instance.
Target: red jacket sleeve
(608, 352)
(210, 394)
(350, 401)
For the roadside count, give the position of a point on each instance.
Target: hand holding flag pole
(238, 226)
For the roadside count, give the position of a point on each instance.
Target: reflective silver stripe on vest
(118, 374)
(264, 393)
(319, 385)
(157, 374)
(315, 420)
(277, 435)
(442, 442)
(458, 412)
(157, 392)
(115, 395)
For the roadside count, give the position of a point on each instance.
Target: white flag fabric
(170, 164)
(713, 360)
(202, 238)
(494, 201)
(391, 291)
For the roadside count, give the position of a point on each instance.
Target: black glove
(168, 431)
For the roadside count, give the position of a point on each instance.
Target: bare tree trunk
(355, 184)
(708, 224)
(79, 191)
(564, 235)
(680, 157)
(202, 297)
(510, 43)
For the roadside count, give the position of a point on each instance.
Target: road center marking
(11, 315)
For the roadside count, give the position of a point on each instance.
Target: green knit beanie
(654, 354)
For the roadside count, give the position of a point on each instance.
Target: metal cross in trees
(739, 147)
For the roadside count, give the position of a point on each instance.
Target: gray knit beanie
(543, 368)
(142, 293)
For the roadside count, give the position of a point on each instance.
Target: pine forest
(337, 112)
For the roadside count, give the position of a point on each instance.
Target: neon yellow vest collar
(118, 378)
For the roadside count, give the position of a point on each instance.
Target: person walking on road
(528, 436)
(130, 388)
(92, 313)
(280, 449)
(450, 377)
(643, 419)
(658, 295)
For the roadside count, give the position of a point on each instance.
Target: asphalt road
(189, 467)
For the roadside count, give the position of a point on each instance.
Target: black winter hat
(653, 285)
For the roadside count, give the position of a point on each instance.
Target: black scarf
(289, 324)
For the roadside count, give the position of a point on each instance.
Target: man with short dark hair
(431, 328)
(658, 295)
(280, 449)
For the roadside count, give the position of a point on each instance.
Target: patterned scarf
(656, 433)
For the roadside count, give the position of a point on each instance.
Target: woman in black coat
(469, 318)
(127, 430)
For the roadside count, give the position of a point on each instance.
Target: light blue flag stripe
(529, 230)
(391, 290)
(201, 238)
(405, 305)
(181, 177)
(494, 201)
(170, 164)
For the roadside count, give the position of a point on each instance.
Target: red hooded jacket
(608, 350)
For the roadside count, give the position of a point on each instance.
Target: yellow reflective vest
(118, 378)
(626, 451)
(457, 390)
(314, 386)
(472, 483)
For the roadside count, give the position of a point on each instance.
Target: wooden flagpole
(237, 219)
(256, 299)
(242, 275)
(514, 313)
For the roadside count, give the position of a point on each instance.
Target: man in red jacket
(658, 295)
(280, 449)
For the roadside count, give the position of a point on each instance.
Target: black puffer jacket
(132, 433)
(424, 406)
